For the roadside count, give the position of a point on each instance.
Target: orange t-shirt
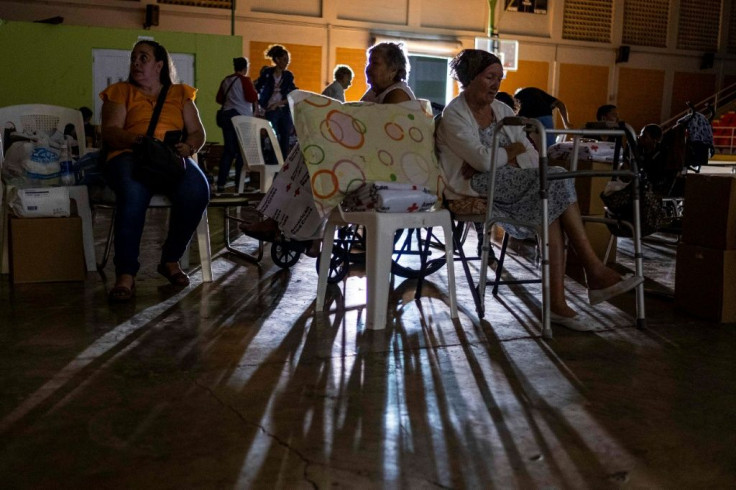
(139, 108)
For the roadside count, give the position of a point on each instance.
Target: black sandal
(178, 278)
(121, 294)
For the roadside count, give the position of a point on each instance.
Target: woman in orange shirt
(127, 110)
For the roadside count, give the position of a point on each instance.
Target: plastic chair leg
(205, 250)
(324, 264)
(378, 272)
(450, 264)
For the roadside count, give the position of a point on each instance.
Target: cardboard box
(709, 218)
(705, 282)
(599, 236)
(589, 189)
(46, 250)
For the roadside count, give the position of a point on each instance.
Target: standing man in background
(343, 76)
(237, 96)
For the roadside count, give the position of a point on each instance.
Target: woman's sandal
(121, 294)
(178, 278)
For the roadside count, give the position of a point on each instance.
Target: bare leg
(558, 304)
(597, 274)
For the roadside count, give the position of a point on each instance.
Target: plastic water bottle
(66, 170)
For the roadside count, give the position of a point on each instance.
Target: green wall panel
(52, 64)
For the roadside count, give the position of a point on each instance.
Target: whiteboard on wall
(112, 65)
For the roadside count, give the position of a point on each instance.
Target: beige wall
(583, 89)
(639, 106)
(690, 87)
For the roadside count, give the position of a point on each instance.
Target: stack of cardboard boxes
(705, 277)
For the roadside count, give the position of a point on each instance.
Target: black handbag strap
(157, 110)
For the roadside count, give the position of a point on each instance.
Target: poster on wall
(528, 6)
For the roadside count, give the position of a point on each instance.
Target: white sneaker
(573, 323)
(627, 283)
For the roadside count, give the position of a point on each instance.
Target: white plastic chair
(43, 117)
(380, 230)
(248, 129)
(161, 201)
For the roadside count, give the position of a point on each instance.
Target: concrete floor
(240, 384)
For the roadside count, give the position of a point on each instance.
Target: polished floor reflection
(240, 384)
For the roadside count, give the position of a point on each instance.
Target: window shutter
(698, 26)
(587, 20)
(217, 4)
(645, 22)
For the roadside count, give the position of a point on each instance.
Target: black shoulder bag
(220, 118)
(158, 166)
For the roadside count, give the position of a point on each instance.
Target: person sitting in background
(386, 74)
(90, 130)
(237, 96)
(607, 113)
(509, 100)
(464, 139)
(537, 104)
(127, 110)
(343, 76)
(273, 85)
(651, 157)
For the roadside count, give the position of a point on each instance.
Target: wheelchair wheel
(409, 251)
(339, 264)
(284, 255)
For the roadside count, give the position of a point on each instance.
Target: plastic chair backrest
(250, 141)
(248, 129)
(44, 117)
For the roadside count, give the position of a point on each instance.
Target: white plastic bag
(32, 163)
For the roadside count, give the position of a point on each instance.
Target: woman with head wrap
(464, 140)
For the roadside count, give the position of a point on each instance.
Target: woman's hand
(514, 149)
(184, 150)
(277, 105)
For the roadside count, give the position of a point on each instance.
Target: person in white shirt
(343, 77)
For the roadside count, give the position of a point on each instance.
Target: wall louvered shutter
(587, 20)
(698, 25)
(645, 22)
(221, 4)
(732, 34)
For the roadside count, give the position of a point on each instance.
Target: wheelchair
(417, 253)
